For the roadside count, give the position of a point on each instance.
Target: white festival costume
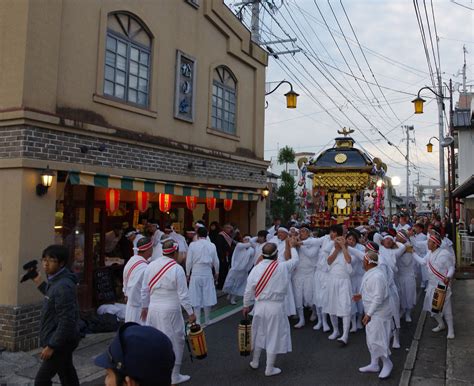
(420, 247)
(290, 298)
(358, 273)
(321, 274)
(303, 276)
(374, 291)
(438, 262)
(270, 326)
(167, 291)
(339, 288)
(242, 263)
(132, 285)
(200, 259)
(406, 280)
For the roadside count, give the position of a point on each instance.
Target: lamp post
(445, 142)
(291, 96)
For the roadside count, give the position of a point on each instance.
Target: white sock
(300, 312)
(396, 338)
(353, 323)
(335, 326)
(408, 315)
(450, 323)
(346, 322)
(359, 321)
(271, 369)
(233, 299)
(373, 367)
(256, 358)
(312, 318)
(387, 368)
(325, 322)
(207, 313)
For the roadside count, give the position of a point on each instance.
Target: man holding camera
(59, 331)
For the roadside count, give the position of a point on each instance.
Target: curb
(412, 353)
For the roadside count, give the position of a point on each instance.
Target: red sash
(438, 274)
(262, 283)
(127, 276)
(160, 274)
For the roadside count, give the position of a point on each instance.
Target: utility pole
(464, 89)
(442, 182)
(408, 129)
(255, 29)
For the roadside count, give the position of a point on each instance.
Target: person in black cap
(138, 356)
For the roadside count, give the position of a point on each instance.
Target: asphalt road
(315, 360)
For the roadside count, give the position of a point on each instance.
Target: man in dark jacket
(225, 245)
(59, 331)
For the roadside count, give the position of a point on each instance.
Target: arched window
(224, 97)
(127, 59)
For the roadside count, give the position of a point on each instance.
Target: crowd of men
(365, 276)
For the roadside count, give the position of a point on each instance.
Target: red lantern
(142, 201)
(164, 202)
(211, 203)
(228, 204)
(191, 202)
(112, 200)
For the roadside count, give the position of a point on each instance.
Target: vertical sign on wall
(185, 87)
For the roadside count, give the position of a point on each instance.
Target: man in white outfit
(242, 263)
(267, 285)
(180, 239)
(133, 236)
(133, 278)
(280, 240)
(440, 272)
(357, 308)
(377, 319)
(153, 230)
(201, 260)
(419, 241)
(406, 276)
(303, 277)
(339, 289)
(163, 296)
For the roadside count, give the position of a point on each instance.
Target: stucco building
(118, 99)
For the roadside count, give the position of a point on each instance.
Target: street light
(445, 142)
(396, 181)
(291, 96)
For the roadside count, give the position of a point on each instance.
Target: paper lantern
(191, 202)
(211, 203)
(142, 201)
(228, 204)
(112, 200)
(164, 202)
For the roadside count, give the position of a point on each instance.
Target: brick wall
(38, 143)
(19, 326)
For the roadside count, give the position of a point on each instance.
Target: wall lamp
(265, 193)
(291, 96)
(46, 181)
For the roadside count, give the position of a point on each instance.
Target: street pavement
(314, 360)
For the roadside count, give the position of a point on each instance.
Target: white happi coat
(200, 260)
(406, 279)
(339, 287)
(132, 285)
(442, 261)
(166, 291)
(257, 247)
(303, 276)
(290, 297)
(389, 258)
(242, 263)
(357, 274)
(375, 296)
(420, 247)
(270, 326)
(320, 294)
(157, 250)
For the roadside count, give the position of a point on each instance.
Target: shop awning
(465, 189)
(154, 186)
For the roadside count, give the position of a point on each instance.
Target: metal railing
(466, 244)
